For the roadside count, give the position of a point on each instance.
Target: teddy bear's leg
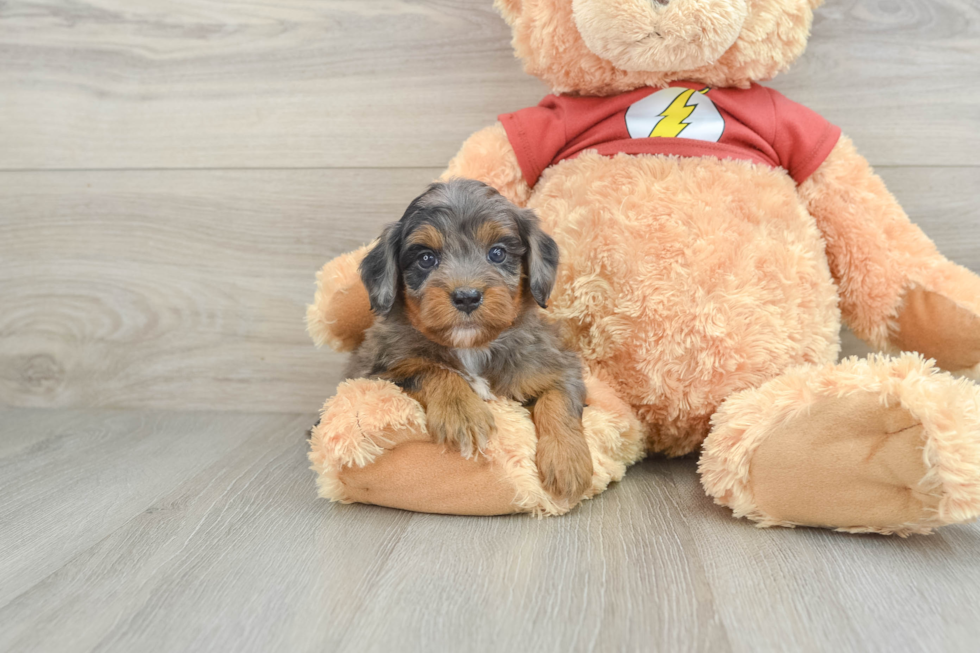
(371, 446)
(897, 291)
(886, 445)
(426, 477)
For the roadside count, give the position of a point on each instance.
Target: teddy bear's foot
(885, 445)
(941, 320)
(372, 446)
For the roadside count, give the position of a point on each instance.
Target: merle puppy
(456, 286)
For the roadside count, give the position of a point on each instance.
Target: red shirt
(755, 124)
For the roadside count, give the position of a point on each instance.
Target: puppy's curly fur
(456, 286)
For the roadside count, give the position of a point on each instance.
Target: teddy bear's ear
(509, 9)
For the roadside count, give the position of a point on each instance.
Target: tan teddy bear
(713, 234)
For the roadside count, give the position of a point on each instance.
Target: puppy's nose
(466, 299)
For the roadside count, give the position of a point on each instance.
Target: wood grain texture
(188, 551)
(67, 481)
(187, 289)
(890, 74)
(825, 591)
(231, 83)
(339, 83)
(179, 289)
(173, 174)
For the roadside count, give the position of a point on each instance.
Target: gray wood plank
(243, 556)
(68, 479)
(334, 83)
(187, 289)
(616, 574)
(232, 559)
(239, 554)
(944, 203)
(181, 289)
(120, 84)
(826, 591)
(891, 75)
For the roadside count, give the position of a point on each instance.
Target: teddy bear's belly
(684, 280)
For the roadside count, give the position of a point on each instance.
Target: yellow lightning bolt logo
(672, 118)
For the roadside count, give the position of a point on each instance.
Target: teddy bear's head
(601, 47)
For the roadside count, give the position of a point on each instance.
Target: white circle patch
(676, 112)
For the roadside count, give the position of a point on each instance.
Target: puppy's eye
(497, 254)
(427, 260)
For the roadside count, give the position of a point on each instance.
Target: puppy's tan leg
(455, 414)
(563, 457)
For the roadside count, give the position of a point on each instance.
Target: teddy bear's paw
(939, 327)
(357, 425)
(340, 312)
(880, 445)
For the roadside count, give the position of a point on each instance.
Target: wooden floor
(172, 175)
(169, 531)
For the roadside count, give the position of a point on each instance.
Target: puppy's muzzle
(466, 300)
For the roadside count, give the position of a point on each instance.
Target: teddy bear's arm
(488, 156)
(897, 291)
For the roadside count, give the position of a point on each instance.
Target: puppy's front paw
(565, 466)
(464, 424)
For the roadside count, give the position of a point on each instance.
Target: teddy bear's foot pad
(885, 445)
(426, 477)
(937, 327)
(848, 462)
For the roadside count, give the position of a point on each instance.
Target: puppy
(456, 286)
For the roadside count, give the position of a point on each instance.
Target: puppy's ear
(379, 270)
(541, 257)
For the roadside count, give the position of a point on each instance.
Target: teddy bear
(713, 236)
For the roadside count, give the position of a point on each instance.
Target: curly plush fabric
(548, 41)
(684, 280)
